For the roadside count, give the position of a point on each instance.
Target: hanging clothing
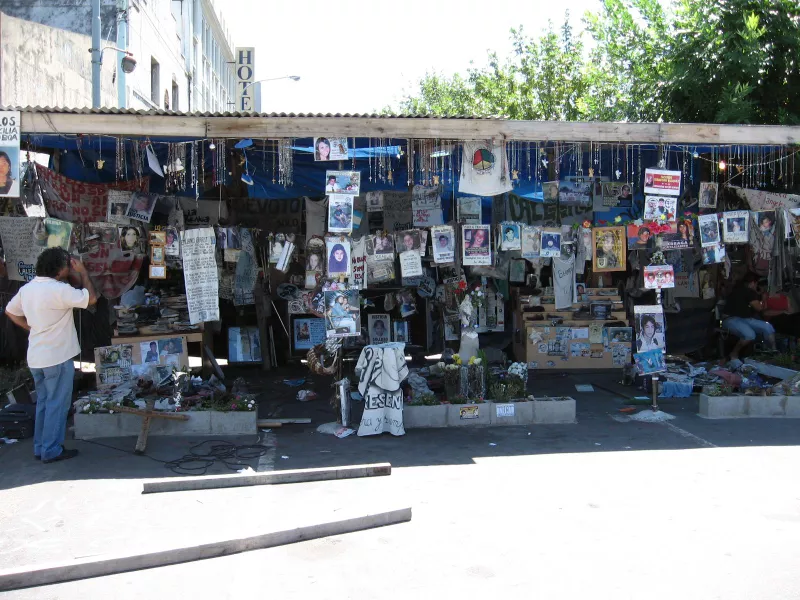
(564, 281)
(380, 370)
(484, 170)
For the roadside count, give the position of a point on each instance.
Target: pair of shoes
(37, 457)
(65, 455)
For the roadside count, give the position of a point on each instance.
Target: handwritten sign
(24, 239)
(426, 206)
(200, 274)
(358, 264)
(529, 212)
(78, 201)
(397, 213)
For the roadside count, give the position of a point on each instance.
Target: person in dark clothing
(742, 307)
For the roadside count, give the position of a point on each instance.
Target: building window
(155, 80)
(175, 92)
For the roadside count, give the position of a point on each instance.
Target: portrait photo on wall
(129, 239)
(708, 194)
(736, 225)
(510, 236)
(342, 313)
(338, 256)
(609, 249)
(141, 206)
(315, 261)
(640, 237)
(408, 240)
(650, 329)
(331, 148)
(343, 182)
(550, 192)
(443, 244)
(765, 221)
(340, 213)
(657, 277)
(714, 254)
(531, 241)
(400, 331)
(380, 245)
(551, 243)
(709, 230)
(379, 328)
(476, 244)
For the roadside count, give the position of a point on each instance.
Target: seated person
(743, 315)
(779, 310)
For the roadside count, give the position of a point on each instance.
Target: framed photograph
(476, 245)
(600, 311)
(172, 248)
(443, 244)
(340, 213)
(342, 313)
(609, 249)
(551, 243)
(660, 208)
(618, 335)
(334, 148)
(157, 255)
(708, 194)
(400, 332)
(158, 238)
(338, 250)
(736, 224)
(158, 272)
(379, 326)
(550, 192)
(709, 230)
(343, 182)
(657, 277)
(580, 294)
(510, 237)
(650, 327)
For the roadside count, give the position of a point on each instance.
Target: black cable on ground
(198, 463)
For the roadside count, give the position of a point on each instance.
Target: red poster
(667, 183)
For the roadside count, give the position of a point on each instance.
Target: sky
(361, 56)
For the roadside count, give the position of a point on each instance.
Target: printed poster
(708, 194)
(662, 183)
(650, 327)
(640, 237)
(118, 203)
(657, 277)
(379, 328)
(617, 194)
(342, 313)
(334, 148)
(510, 236)
(9, 160)
(113, 364)
(709, 230)
(200, 274)
(23, 240)
(340, 213)
(648, 362)
(59, 233)
(476, 245)
(141, 206)
(411, 264)
(342, 182)
(308, 333)
(660, 208)
(736, 225)
(426, 206)
(443, 244)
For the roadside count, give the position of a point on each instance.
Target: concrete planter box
(733, 407)
(424, 416)
(527, 412)
(101, 425)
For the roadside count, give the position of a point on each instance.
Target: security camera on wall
(128, 64)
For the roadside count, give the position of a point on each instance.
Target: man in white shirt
(44, 308)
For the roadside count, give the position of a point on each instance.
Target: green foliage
(726, 61)
(426, 400)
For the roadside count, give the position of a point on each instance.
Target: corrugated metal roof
(172, 113)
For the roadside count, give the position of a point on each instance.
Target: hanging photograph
(681, 238)
(426, 206)
(407, 303)
(342, 182)
(579, 293)
(381, 246)
(794, 221)
(276, 244)
(334, 148)
(443, 244)
(510, 236)
(9, 153)
(117, 208)
(650, 329)
(113, 364)
(338, 256)
(648, 362)
(660, 208)
(765, 221)
(531, 241)
(550, 192)
(617, 335)
(714, 254)
(400, 331)
(129, 239)
(172, 248)
(617, 193)
(342, 313)
(640, 237)
(609, 249)
(379, 328)
(141, 206)
(657, 277)
(157, 255)
(107, 233)
(736, 225)
(244, 345)
(469, 210)
(576, 191)
(408, 240)
(374, 201)
(308, 333)
(709, 230)
(476, 245)
(659, 182)
(708, 194)
(551, 243)
(340, 213)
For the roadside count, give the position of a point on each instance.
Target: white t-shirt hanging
(316, 214)
(563, 281)
(358, 264)
(484, 170)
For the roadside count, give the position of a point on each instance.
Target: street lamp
(244, 89)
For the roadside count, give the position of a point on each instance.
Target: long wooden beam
(401, 127)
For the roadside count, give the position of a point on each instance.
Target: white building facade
(183, 50)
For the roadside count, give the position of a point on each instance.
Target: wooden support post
(263, 313)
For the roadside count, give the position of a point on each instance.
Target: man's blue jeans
(53, 397)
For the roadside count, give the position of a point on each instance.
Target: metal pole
(122, 42)
(96, 53)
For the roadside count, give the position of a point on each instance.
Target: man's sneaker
(65, 455)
